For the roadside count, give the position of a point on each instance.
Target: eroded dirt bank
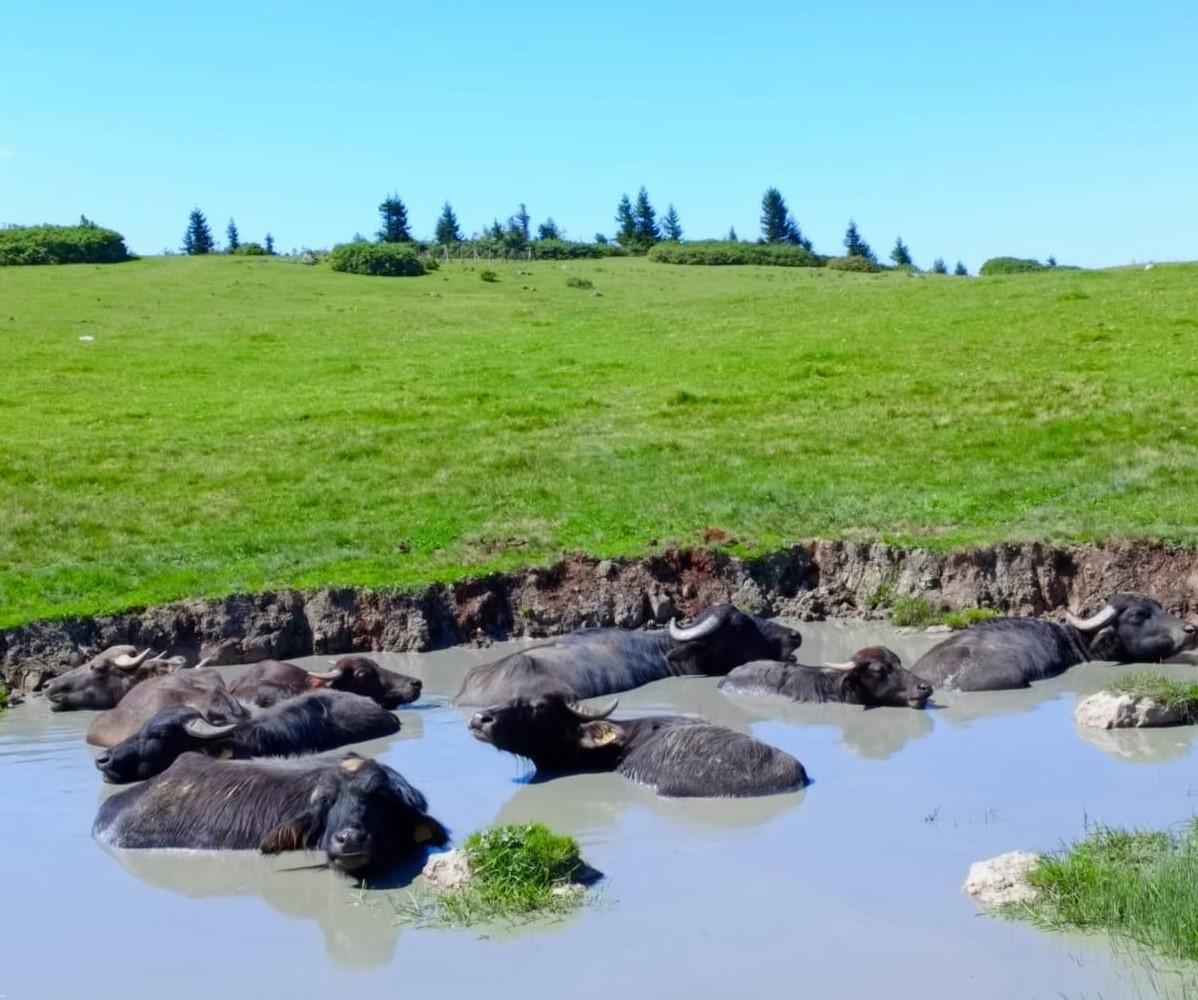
(811, 580)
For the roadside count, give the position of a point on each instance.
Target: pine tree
(520, 226)
(647, 230)
(495, 231)
(395, 221)
(671, 227)
(775, 219)
(269, 243)
(1052, 261)
(86, 223)
(231, 236)
(938, 266)
(625, 223)
(732, 237)
(901, 255)
(794, 234)
(600, 239)
(198, 238)
(548, 230)
(960, 270)
(855, 246)
(447, 226)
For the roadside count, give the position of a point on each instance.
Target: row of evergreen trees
(637, 229)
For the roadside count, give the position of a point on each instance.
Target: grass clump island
(518, 873)
(1181, 696)
(1138, 885)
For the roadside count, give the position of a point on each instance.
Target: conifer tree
(520, 226)
(231, 235)
(671, 227)
(855, 246)
(901, 255)
(647, 231)
(395, 221)
(775, 219)
(269, 243)
(625, 223)
(938, 266)
(960, 270)
(198, 237)
(447, 230)
(732, 237)
(548, 230)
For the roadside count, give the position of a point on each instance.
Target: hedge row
(394, 260)
(718, 252)
(61, 245)
(1010, 265)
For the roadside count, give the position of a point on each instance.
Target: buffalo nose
(417, 685)
(924, 689)
(104, 760)
(1188, 629)
(481, 719)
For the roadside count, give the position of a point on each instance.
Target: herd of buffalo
(232, 767)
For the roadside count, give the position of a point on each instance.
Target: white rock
(447, 871)
(1002, 880)
(1108, 710)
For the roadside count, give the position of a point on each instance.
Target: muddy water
(849, 889)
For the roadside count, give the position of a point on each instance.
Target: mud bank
(809, 581)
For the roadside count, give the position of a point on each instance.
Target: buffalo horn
(203, 663)
(329, 675)
(1094, 622)
(202, 729)
(127, 662)
(593, 714)
(698, 630)
(847, 665)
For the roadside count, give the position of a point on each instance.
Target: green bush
(723, 252)
(249, 250)
(489, 275)
(854, 263)
(579, 283)
(3, 697)
(913, 611)
(392, 260)
(88, 244)
(568, 250)
(1010, 265)
(970, 616)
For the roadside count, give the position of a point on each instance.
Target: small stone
(1108, 710)
(33, 680)
(571, 889)
(1002, 880)
(447, 871)
(937, 629)
(689, 591)
(662, 606)
(606, 569)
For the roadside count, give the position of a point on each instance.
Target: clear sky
(1055, 127)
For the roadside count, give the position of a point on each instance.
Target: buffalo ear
(428, 831)
(1106, 646)
(300, 833)
(592, 735)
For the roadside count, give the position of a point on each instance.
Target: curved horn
(847, 665)
(202, 729)
(593, 714)
(203, 663)
(328, 675)
(706, 624)
(127, 662)
(1094, 622)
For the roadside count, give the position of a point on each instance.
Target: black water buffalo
(106, 678)
(202, 689)
(273, 680)
(318, 720)
(362, 814)
(673, 755)
(874, 677)
(1012, 652)
(599, 661)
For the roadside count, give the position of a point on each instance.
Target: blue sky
(973, 130)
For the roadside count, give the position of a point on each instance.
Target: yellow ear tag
(600, 734)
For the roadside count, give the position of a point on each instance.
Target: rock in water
(1108, 710)
(447, 871)
(1002, 880)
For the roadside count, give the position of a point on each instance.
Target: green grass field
(246, 423)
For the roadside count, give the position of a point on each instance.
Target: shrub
(556, 249)
(1010, 265)
(249, 250)
(488, 275)
(913, 611)
(579, 283)
(88, 244)
(853, 263)
(724, 252)
(393, 260)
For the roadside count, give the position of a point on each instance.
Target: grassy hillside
(247, 423)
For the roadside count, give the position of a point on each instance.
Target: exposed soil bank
(811, 581)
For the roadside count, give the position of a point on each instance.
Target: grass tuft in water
(3, 697)
(1177, 694)
(918, 612)
(518, 873)
(970, 616)
(1139, 885)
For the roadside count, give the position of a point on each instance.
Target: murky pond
(849, 889)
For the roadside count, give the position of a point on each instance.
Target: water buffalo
(273, 680)
(201, 689)
(362, 814)
(1012, 652)
(874, 677)
(106, 678)
(673, 755)
(598, 661)
(318, 720)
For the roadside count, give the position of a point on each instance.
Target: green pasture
(242, 423)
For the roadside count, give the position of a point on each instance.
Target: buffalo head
(361, 675)
(363, 815)
(1132, 628)
(723, 637)
(552, 731)
(164, 737)
(106, 678)
(876, 676)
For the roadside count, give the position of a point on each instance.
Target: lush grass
(240, 423)
(1161, 688)
(3, 697)
(1139, 885)
(514, 872)
(919, 612)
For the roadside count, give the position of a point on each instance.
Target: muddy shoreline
(812, 580)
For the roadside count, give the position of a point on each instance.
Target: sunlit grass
(1179, 695)
(239, 424)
